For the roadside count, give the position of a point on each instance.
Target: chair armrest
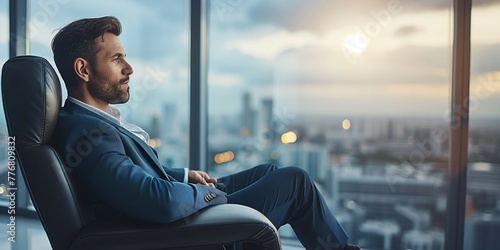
(208, 229)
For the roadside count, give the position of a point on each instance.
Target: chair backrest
(32, 98)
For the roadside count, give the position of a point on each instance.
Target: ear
(82, 68)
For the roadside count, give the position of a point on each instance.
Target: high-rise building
(169, 121)
(266, 113)
(247, 116)
(173, 149)
(155, 127)
(312, 158)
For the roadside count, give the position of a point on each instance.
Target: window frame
(459, 124)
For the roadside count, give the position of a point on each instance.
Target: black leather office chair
(32, 98)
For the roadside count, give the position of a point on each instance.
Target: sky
(404, 67)
(154, 37)
(318, 57)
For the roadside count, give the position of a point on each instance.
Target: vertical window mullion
(198, 86)
(459, 125)
(18, 30)
(18, 45)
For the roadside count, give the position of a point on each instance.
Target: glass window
(155, 38)
(482, 214)
(355, 92)
(4, 55)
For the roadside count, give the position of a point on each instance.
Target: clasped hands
(200, 177)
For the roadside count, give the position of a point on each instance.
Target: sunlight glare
(355, 43)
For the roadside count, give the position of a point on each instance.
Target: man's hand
(200, 177)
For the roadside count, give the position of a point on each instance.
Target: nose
(127, 70)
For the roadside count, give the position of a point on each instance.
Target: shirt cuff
(186, 173)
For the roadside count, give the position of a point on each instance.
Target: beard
(113, 92)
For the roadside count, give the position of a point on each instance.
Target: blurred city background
(357, 93)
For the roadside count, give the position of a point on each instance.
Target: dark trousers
(287, 196)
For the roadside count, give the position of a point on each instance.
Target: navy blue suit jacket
(122, 173)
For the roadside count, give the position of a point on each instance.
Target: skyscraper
(247, 116)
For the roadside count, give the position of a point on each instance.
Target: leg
(243, 179)
(288, 195)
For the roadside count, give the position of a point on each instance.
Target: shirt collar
(112, 112)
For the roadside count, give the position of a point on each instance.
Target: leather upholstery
(212, 226)
(32, 97)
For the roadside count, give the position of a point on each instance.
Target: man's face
(110, 72)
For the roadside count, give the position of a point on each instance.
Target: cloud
(270, 46)
(483, 30)
(425, 28)
(320, 16)
(141, 28)
(405, 68)
(317, 16)
(484, 58)
(380, 33)
(320, 66)
(406, 30)
(293, 51)
(224, 79)
(366, 99)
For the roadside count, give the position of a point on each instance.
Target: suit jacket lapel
(74, 108)
(144, 146)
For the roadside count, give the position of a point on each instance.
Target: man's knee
(296, 171)
(267, 168)
(298, 180)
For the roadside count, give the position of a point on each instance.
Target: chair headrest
(31, 94)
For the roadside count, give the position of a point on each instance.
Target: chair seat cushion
(208, 229)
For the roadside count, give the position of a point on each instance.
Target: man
(111, 158)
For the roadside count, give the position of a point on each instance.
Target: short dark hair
(77, 39)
